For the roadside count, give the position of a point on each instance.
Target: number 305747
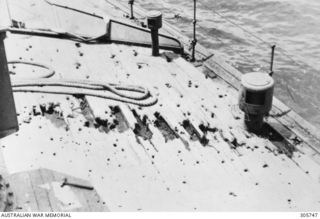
(314, 215)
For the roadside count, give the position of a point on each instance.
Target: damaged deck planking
(133, 172)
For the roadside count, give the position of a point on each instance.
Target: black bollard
(154, 20)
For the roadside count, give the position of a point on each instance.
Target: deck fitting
(66, 183)
(154, 20)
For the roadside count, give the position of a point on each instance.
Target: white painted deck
(128, 172)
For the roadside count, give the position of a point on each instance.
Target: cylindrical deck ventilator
(8, 115)
(255, 98)
(154, 21)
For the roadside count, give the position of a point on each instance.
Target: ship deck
(191, 151)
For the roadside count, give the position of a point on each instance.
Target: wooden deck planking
(41, 195)
(88, 148)
(58, 98)
(291, 121)
(186, 106)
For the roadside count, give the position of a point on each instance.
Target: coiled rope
(139, 96)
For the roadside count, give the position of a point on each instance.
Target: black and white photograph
(159, 106)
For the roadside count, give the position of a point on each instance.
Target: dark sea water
(243, 31)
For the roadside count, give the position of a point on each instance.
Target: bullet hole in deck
(265, 165)
(115, 145)
(184, 182)
(78, 65)
(54, 154)
(222, 161)
(245, 170)
(135, 53)
(87, 124)
(232, 194)
(78, 45)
